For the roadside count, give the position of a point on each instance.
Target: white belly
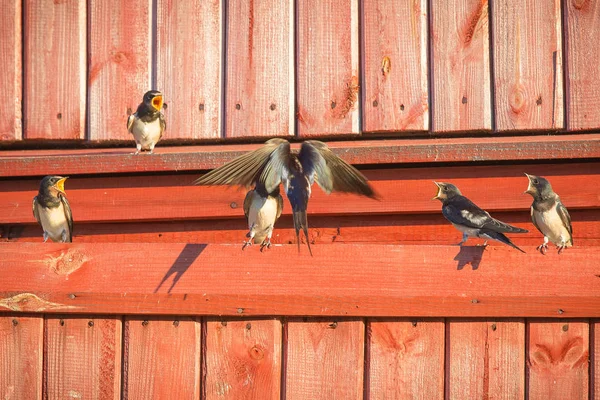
(146, 134)
(54, 222)
(468, 231)
(552, 226)
(262, 216)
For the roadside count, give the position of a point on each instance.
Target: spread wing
(248, 168)
(565, 217)
(130, 120)
(462, 211)
(68, 215)
(35, 210)
(330, 172)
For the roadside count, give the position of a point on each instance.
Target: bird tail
(301, 222)
(499, 237)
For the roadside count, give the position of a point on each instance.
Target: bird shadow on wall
(469, 255)
(186, 258)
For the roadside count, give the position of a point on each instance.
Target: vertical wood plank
(558, 360)
(10, 70)
(528, 69)
(328, 80)
(55, 70)
(260, 68)
(21, 352)
(461, 65)
(583, 79)
(406, 360)
(119, 64)
(395, 65)
(188, 70)
(243, 359)
(84, 358)
(325, 360)
(486, 359)
(595, 361)
(163, 358)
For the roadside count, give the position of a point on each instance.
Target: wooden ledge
(194, 158)
(340, 280)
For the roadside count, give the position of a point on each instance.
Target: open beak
(60, 185)
(157, 102)
(530, 187)
(437, 196)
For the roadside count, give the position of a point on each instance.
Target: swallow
(549, 215)
(262, 210)
(274, 164)
(147, 124)
(470, 219)
(52, 211)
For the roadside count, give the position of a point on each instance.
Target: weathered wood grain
(243, 359)
(391, 151)
(327, 67)
(118, 198)
(460, 43)
(405, 359)
(325, 359)
(119, 64)
(485, 359)
(11, 75)
(83, 358)
(595, 360)
(352, 280)
(582, 30)
(162, 359)
(395, 49)
(558, 357)
(21, 352)
(528, 65)
(55, 72)
(260, 68)
(188, 69)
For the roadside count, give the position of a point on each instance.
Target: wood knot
(578, 4)
(386, 65)
(516, 99)
(256, 353)
(67, 262)
(119, 57)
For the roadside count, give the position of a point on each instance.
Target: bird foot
(136, 153)
(248, 243)
(543, 248)
(560, 248)
(265, 244)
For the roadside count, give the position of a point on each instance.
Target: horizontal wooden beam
(340, 280)
(391, 151)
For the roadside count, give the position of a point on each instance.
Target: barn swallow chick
(52, 210)
(147, 124)
(262, 210)
(274, 164)
(470, 219)
(549, 215)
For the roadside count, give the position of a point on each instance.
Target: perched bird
(470, 219)
(262, 210)
(274, 163)
(52, 210)
(549, 215)
(147, 124)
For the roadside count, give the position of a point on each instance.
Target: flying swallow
(52, 210)
(147, 124)
(470, 219)
(549, 215)
(274, 163)
(262, 210)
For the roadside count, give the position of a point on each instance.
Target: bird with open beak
(549, 215)
(471, 220)
(274, 164)
(52, 211)
(148, 123)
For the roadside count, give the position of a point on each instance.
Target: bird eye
(535, 181)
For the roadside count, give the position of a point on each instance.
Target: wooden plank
(485, 359)
(327, 62)
(557, 365)
(492, 188)
(405, 359)
(395, 61)
(11, 70)
(83, 358)
(325, 359)
(260, 68)
(162, 359)
(461, 65)
(391, 151)
(21, 352)
(595, 360)
(352, 280)
(243, 359)
(55, 69)
(119, 64)
(188, 70)
(528, 66)
(583, 77)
